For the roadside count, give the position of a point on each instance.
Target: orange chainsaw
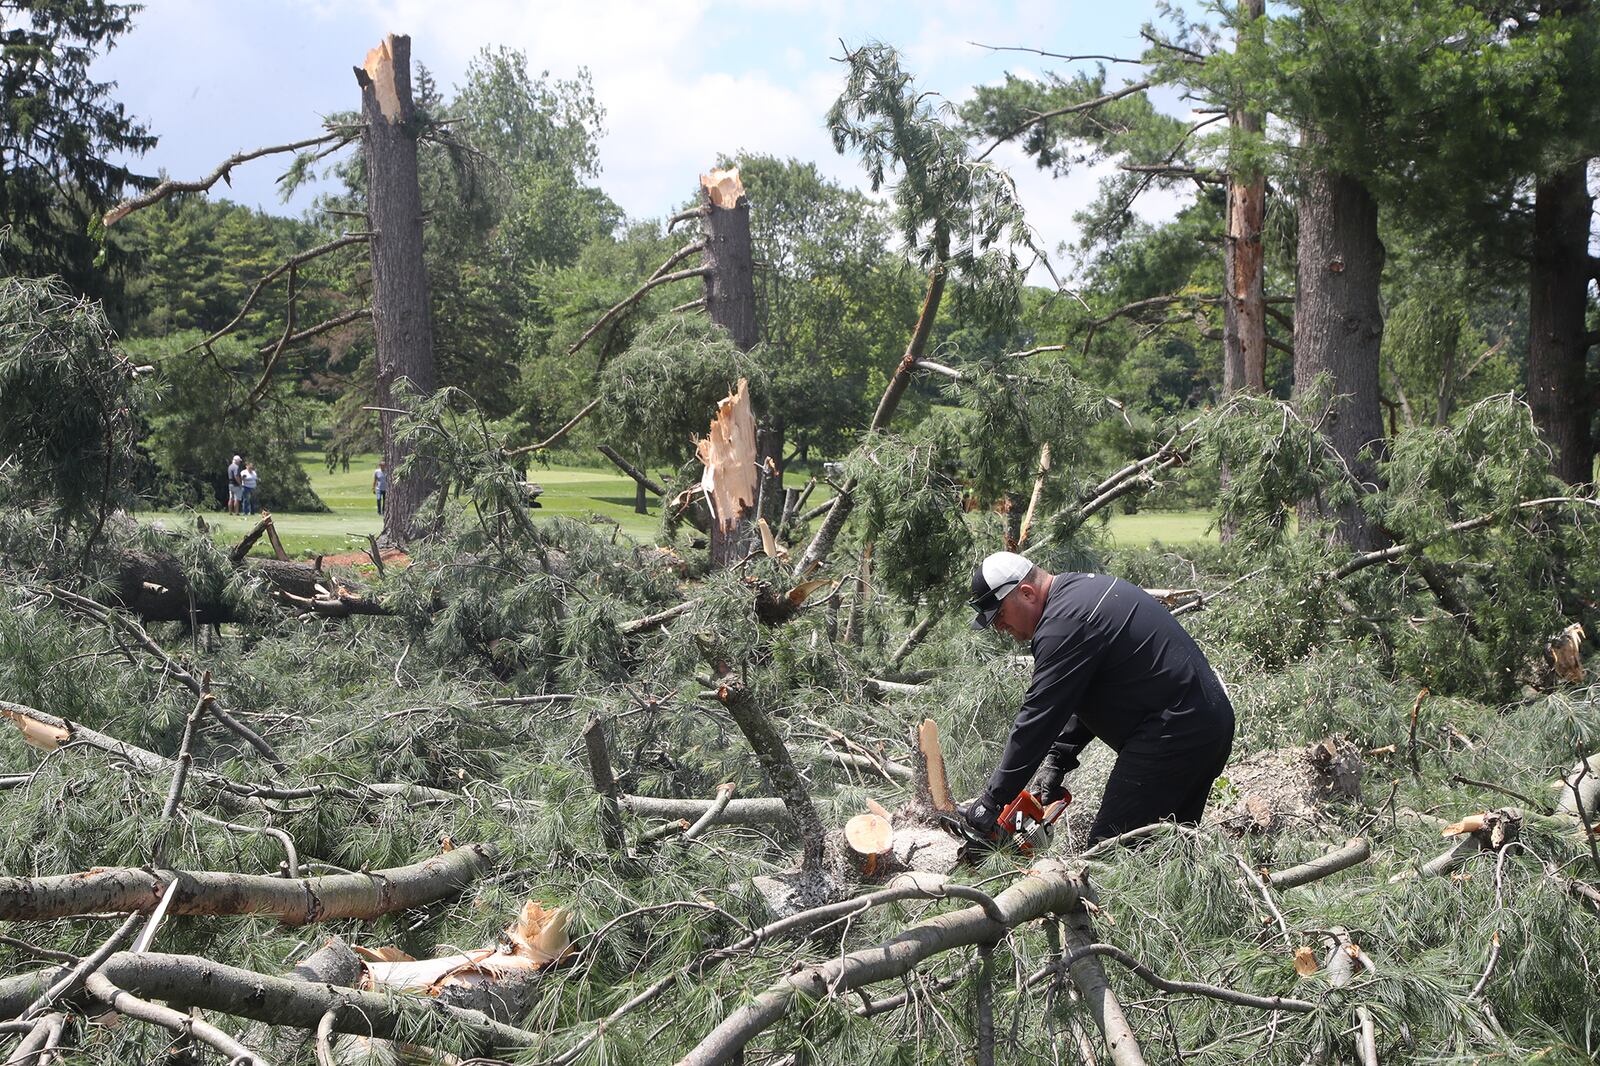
(1025, 822)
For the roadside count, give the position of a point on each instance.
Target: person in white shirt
(248, 479)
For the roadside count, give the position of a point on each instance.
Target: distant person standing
(248, 479)
(380, 484)
(235, 486)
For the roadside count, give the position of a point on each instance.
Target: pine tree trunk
(1557, 299)
(731, 303)
(1244, 303)
(730, 262)
(1338, 329)
(400, 310)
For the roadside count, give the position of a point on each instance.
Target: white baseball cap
(992, 581)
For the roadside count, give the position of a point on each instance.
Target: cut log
(932, 789)
(869, 844)
(296, 902)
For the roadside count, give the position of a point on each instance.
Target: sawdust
(1287, 788)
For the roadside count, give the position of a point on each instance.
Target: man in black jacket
(1110, 662)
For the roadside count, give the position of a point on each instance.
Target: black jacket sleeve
(1063, 667)
(1064, 752)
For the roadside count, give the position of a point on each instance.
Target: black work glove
(982, 817)
(1048, 781)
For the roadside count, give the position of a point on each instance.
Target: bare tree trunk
(728, 257)
(1244, 303)
(1338, 329)
(731, 303)
(1557, 302)
(400, 310)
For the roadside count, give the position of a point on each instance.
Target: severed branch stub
(932, 787)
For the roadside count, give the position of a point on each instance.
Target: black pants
(1147, 787)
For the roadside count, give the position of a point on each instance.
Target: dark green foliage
(67, 398)
(949, 208)
(199, 419)
(60, 132)
(913, 516)
(662, 393)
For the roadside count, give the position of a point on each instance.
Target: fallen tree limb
(185, 981)
(639, 625)
(295, 902)
(124, 1002)
(1052, 888)
(737, 812)
(1357, 850)
(1089, 977)
(106, 616)
(230, 793)
(588, 408)
(1361, 562)
(632, 471)
(776, 763)
(1186, 988)
(633, 298)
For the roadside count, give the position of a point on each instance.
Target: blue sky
(681, 81)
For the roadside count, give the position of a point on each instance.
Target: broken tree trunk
(728, 258)
(730, 478)
(401, 318)
(296, 902)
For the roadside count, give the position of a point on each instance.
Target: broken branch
(169, 187)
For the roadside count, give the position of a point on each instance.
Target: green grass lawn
(1168, 527)
(582, 493)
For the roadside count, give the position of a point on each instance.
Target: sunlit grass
(584, 493)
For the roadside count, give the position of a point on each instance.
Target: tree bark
(728, 257)
(1338, 329)
(776, 763)
(294, 901)
(185, 981)
(1557, 305)
(154, 588)
(400, 303)
(1052, 888)
(1244, 321)
(1244, 304)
